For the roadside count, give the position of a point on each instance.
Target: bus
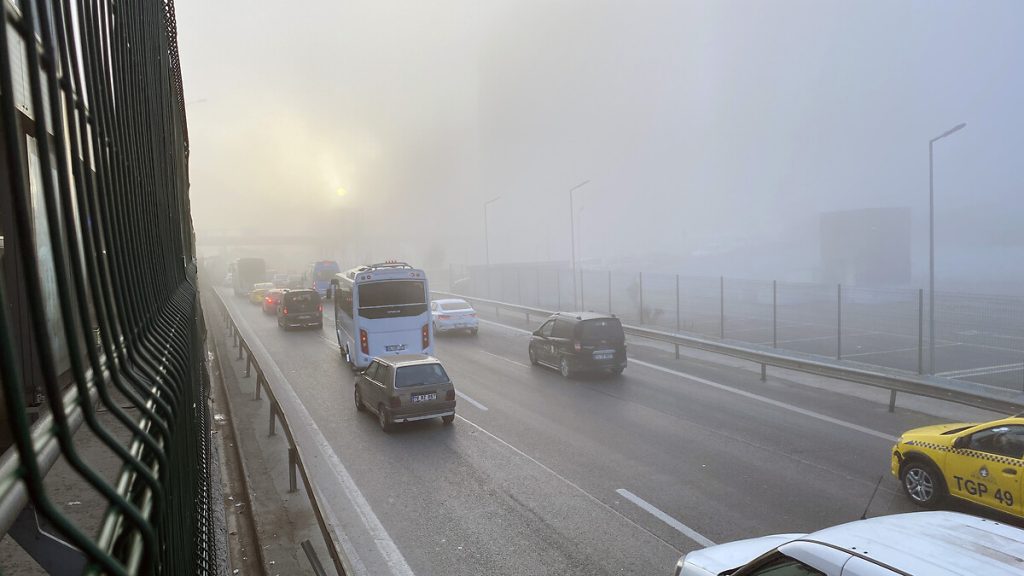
(245, 273)
(319, 275)
(381, 310)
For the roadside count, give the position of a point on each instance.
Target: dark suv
(300, 308)
(580, 342)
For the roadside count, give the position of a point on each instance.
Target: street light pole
(487, 237)
(931, 243)
(572, 232)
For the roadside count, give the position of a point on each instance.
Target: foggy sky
(702, 126)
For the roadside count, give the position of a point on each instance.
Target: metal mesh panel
(101, 235)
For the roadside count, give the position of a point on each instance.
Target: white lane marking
(575, 486)
(679, 526)
(892, 350)
(470, 400)
(983, 370)
(766, 400)
(392, 556)
(746, 394)
(509, 360)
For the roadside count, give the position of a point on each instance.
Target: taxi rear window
(602, 329)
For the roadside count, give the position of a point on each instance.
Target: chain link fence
(977, 337)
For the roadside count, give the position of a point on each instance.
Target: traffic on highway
(685, 467)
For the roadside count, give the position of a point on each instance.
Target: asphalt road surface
(597, 475)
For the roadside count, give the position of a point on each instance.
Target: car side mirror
(536, 332)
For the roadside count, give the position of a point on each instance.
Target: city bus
(381, 310)
(319, 275)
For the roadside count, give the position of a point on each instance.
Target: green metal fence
(99, 309)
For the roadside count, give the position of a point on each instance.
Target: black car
(580, 342)
(300, 308)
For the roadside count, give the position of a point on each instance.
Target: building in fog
(868, 247)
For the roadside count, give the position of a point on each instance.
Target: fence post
(248, 364)
(609, 292)
(678, 327)
(839, 321)
(641, 298)
(764, 372)
(241, 345)
(721, 307)
(257, 393)
(892, 401)
(293, 468)
(775, 314)
(273, 422)
(920, 330)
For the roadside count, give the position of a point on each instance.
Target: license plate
(424, 397)
(394, 347)
(603, 356)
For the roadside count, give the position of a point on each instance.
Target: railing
(992, 398)
(280, 408)
(100, 319)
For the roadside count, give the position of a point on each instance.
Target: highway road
(603, 475)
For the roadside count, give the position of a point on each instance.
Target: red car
(272, 300)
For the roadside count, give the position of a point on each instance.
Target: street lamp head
(580, 185)
(495, 199)
(956, 128)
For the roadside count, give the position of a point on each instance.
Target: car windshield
(420, 375)
(605, 329)
(457, 305)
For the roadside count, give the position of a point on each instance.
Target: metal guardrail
(967, 393)
(279, 411)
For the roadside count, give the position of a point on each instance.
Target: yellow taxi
(259, 291)
(980, 463)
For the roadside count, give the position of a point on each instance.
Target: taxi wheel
(922, 483)
(384, 419)
(565, 369)
(448, 419)
(359, 400)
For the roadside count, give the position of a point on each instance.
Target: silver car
(451, 314)
(915, 544)
(405, 388)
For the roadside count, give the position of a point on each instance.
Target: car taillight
(449, 395)
(395, 402)
(426, 336)
(577, 346)
(320, 308)
(364, 342)
(443, 317)
(268, 299)
(284, 311)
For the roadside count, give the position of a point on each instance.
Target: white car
(452, 314)
(915, 544)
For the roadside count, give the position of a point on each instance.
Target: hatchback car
(979, 463)
(272, 300)
(259, 291)
(300, 308)
(579, 342)
(405, 388)
(915, 544)
(452, 314)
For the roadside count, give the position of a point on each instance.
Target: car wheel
(359, 400)
(384, 419)
(922, 483)
(320, 326)
(279, 325)
(563, 367)
(617, 371)
(448, 419)
(473, 331)
(436, 331)
(533, 357)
